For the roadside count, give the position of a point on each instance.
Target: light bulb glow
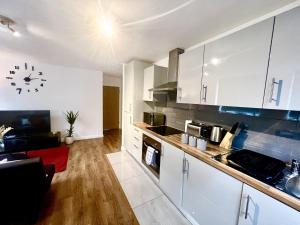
(107, 28)
(16, 34)
(215, 61)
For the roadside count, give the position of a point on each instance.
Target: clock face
(24, 78)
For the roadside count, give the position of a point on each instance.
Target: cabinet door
(127, 131)
(128, 87)
(283, 83)
(264, 210)
(189, 76)
(148, 83)
(170, 179)
(235, 67)
(209, 195)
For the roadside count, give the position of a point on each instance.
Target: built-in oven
(151, 154)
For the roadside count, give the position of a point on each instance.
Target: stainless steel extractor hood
(171, 85)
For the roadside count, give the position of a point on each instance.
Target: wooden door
(111, 107)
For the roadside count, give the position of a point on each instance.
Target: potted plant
(71, 118)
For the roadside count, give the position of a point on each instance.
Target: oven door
(154, 163)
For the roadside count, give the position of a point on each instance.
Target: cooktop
(259, 166)
(164, 130)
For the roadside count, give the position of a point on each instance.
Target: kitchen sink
(292, 186)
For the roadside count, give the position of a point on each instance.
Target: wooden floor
(88, 193)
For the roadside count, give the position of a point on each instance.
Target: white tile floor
(149, 204)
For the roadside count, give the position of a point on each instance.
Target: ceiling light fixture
(215, 61)
(107, 27)
(7, 23)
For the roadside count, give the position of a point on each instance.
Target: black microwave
(154, 119)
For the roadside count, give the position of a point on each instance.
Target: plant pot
(69, 140)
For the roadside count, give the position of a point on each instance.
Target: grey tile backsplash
(271, 132)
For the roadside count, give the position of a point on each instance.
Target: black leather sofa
(23, 186)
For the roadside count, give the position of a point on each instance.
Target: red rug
(57, 156)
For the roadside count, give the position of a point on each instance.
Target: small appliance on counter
(197, 129)
(217, 134)
(154, 119)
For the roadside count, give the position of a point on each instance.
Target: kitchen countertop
(212, 150)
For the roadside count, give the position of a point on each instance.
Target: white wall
(66, 88)
(115, 81)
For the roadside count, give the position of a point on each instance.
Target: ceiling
(66, 32)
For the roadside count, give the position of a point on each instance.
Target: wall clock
(24, 78)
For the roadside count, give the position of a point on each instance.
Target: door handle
(185, 167)
(204, 87)
(279, 87)
(247, 207)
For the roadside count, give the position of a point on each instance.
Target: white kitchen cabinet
(235, 67)
(170, 179)
(127, 117)
(260, 209)
(189, 76)
(136, 143)
(133, 108)
(153, 76)
(283, 83)
(209, 195)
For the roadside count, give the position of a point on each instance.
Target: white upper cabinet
(170, 179)
(260, 209)
(235, 67)
(209, 195)
(283, 83)
(153, 76)
(189, 76)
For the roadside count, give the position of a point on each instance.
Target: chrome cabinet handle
(135, 146)
(279, 87)
(183, 165)
(204, 87)
(186, 167)
(247, 207)
(136, 138)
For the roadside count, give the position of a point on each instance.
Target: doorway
(111, 108)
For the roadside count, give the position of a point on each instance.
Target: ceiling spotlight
(215, 61)
(16, 34)
(107, 27)
(7, 23)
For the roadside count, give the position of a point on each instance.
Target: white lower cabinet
(210, 196)
(136, 143)
(171, 172)
(260, 209)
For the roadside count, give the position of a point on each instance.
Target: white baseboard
(88, 137)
